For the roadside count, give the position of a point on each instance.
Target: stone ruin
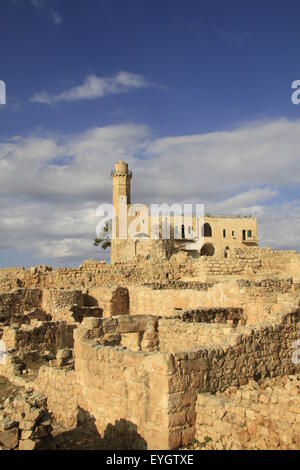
(191, 353)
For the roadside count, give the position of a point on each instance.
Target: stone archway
(227, 252)
(207, 249)
(119, 303)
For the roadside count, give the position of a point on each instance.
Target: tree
(172, 245)
(104, 239)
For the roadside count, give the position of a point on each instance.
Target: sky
(195, 95)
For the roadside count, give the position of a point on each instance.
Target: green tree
(104, 239)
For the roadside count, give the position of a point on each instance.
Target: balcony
(129, 173)
(253, 241)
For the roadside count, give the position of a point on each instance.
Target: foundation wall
(174, 335)
(19, 301)
(31, 338)
(116, 384)
(265, 352)
(251, 417)
(93, 273)
(60, 387)
(164, 385)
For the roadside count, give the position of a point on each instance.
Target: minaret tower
(121, 184)
(121, 178)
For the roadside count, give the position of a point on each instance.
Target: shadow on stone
(122, 435)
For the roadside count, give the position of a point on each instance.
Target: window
(182, 232)
(207, 231)
(224, 233)
(207, 250)
(249, 234)
(244, 235)
(233, 233)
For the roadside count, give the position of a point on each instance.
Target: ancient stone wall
(171, 378)
(60, 387)
(11, 278)
(150, 337)
(165, 302)
(253, 417)
(136, 383)
(92, 274)
(31, 338)
(16, 303)
(267, 351)
(257, 298)
(57, 301)
(295, 267)
(174, 335)
(225, 316)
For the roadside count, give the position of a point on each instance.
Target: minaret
(121, 183)
(121, 177)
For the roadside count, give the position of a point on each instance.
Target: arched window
(207, 231)
(207, 250)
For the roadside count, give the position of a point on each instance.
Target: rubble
(25, 423)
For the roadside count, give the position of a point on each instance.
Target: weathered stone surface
(27, 444)
(247, 420)
(9, 438)
(159, 336)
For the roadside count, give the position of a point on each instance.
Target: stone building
(199, 235)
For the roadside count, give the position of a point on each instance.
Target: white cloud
(38, 3)
(245, 199)
(279, 225)
(52, 14)
(219, 165)
(95, 87)
(55, 16)
(232, 36)
(51, 186)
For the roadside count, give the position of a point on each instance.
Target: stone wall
(242, 261)
(57, 301)
(11, 278)
(25, 304)
(164, 302)
(60, 387)
(16, 303)
(157, 390)
(295, 267)
(31, 338)
(121, 384)
(258, 299)
(112, 300)
(225, 316)
(174, 335)
(253, 417)
(266, 351)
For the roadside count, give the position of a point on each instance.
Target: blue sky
(198, 89)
